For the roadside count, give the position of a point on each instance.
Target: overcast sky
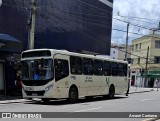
(149, 9)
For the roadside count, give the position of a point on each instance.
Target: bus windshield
(37, 69)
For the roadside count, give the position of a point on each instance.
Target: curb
(12, 101)
(140, 91)
(2, 98)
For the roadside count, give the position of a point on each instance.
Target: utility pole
(146, 68)
(126, 53)
(31, 25)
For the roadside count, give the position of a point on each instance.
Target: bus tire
(111, 92)
(89, 98)
(73, 95)
(45, 100)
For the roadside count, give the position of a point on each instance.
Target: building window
(138, 61)
(136, 46)
(157, 44)
(157, 59)
(113, 52)
(132, 47)
(140, 46)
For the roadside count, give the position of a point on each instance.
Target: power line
(144, 27)
(136, 33)
(80, 13)
(89, 21)
(16, 6)
(126, 31)
(132, 54)
(139, 20)
(93, 6)
(91, 14)
(134, 17)
(64, 11)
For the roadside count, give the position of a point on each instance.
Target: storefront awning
(152, 74)
(9, 43)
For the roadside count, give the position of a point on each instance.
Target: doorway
(150, 82)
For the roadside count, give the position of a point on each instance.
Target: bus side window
(76, 65)
(98, 67)
(61, 69)
(106, 68)
(87, 66)
(121, 69)
(114, 67)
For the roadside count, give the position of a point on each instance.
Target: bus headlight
(49, 87)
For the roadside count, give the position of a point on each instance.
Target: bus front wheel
(111, 92)
(73, 95)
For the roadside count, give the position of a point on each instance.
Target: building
(74, 25)
(10, 49)
(119, 51)
(139, 49)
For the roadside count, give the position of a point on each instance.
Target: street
(136, 102)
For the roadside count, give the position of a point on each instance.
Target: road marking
(13, 101)
(150, 119)
(88, 109)
(147, 99)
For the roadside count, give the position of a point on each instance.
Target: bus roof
(65, 52)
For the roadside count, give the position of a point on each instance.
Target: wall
(1, 78)
(61, 24)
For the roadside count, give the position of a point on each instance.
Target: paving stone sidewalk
(134, 89)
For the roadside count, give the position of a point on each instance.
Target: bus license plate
(34, 94)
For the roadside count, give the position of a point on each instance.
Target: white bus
(59, 74)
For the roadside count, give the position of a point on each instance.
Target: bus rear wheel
(89, 98)
(111, 92)
(73, 95)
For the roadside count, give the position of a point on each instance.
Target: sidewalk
(10, 99)
(3, 97)
(139, 90)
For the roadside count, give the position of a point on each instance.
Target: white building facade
(118, 51)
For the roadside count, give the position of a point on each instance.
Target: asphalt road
(137, 102)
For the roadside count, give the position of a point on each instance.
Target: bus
(50, 74)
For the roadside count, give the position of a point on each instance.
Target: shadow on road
(80, 101)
